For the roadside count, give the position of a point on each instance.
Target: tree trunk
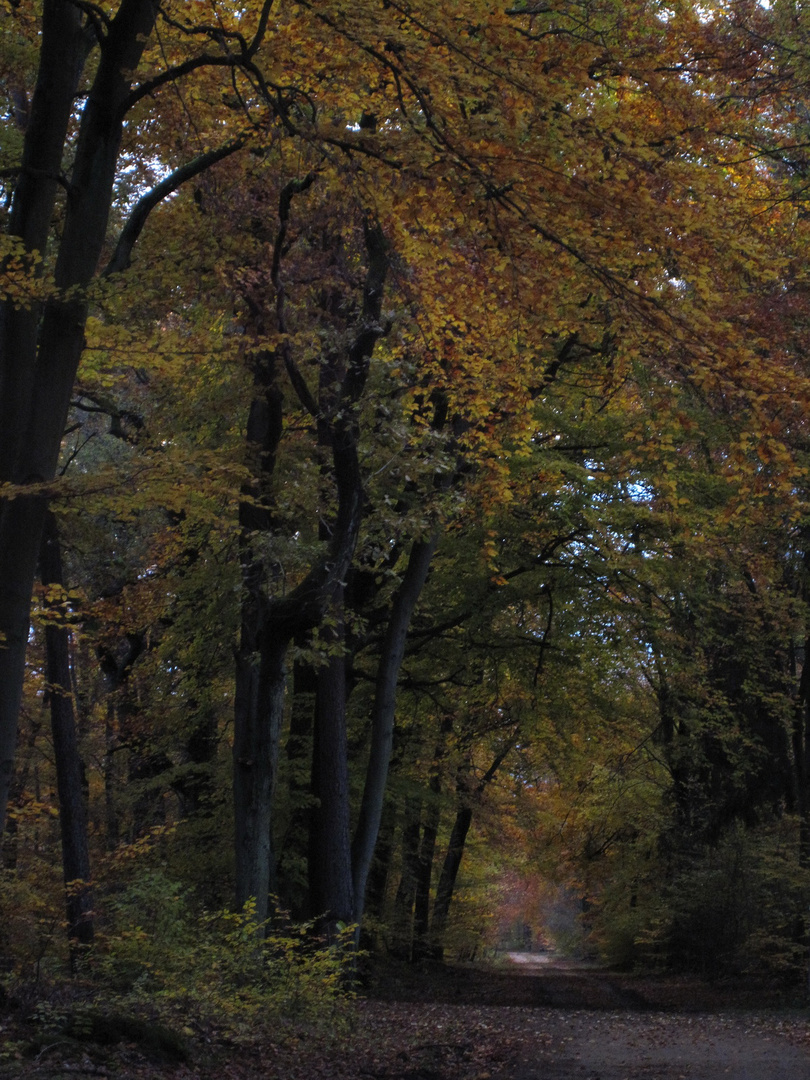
(112, 781)
(62, 55)
(427, 847)
(268, 626)
(258, 717)
(424, 872)
(448, 876)
(271, 622)
(196, 788)
(293, 848)
(455, 847)
(402, 930)
(120, 729)
(260, 660)
(800, 734)
(384, 713)
(72, 813)
(330, 865)
(20, 531)
(39, 358)
(380, 870)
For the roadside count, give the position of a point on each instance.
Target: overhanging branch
(137, 219)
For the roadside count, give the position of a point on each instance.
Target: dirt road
(633, 1043)
(631, 1046)
(546, 1019)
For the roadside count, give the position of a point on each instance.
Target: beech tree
(104, 61)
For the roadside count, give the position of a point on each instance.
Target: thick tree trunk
(20, 530)
(259, 714)
(72, 813)
(62, 56)
(384, 713)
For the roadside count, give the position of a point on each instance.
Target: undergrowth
(158, 956)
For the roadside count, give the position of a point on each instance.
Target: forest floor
(529, 1018)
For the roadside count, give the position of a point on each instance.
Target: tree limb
(137, 219)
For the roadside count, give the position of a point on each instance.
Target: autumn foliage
(403, 470)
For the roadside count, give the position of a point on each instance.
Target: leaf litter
(463, 1039)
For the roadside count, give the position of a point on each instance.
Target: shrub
(158, 950)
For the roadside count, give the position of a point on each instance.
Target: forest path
(576, 1045)
(542, 1018)
(532, 1018)
(636, 1044)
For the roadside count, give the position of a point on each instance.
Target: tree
(72, 812)
(46, 300)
